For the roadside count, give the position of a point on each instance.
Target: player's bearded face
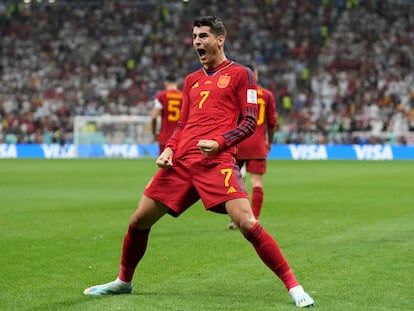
(206, 45)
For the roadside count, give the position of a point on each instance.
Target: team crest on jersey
(223, 81)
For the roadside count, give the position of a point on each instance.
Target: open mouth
(201, 52)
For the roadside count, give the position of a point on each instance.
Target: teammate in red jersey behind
(252, 152)
(218, 111)
(167, 105)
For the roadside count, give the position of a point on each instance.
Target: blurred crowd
(342, 71)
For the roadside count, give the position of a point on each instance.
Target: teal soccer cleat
(116, 287)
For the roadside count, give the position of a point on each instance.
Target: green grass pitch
(346, 227)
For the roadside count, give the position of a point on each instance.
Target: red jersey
(169, 101)
(230, 89)
(255, 146)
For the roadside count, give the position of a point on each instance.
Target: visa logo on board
(56, 151)
(308, 152)
(373, 152)
(8, 151)
(123, 151)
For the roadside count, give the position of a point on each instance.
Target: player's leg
(242, 165)
(257, 193)
(152, 206)
(266, 247)
(241, 214)
(256, 168)
(147, 213)
(135, 244)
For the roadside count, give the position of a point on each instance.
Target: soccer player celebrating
(218, 111)
(167, 105)
(252, 152)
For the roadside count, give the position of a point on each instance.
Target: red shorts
(215, 180)
(255, 166)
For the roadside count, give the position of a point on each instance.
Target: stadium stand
(342, 70)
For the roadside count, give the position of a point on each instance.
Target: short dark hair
(171, 78)
(251, 67)
(216, 25)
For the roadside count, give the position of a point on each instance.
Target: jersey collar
(219, 68)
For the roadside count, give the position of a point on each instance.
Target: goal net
(111, 136)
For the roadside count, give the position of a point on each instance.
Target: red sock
(133, 249)
(268, 250)
(257, 201)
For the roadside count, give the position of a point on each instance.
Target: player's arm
(271, 119)
(156, 112)
(165, 158)
(208, 147)
(247, 101)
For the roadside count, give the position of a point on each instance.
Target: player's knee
(136, 222)
(246, 223)
(139, 221)
(147, 213)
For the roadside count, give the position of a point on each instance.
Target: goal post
(111, 136)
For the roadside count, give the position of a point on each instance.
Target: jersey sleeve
(157, 104)
(271, 110)
(246, 94)
(271, 115)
